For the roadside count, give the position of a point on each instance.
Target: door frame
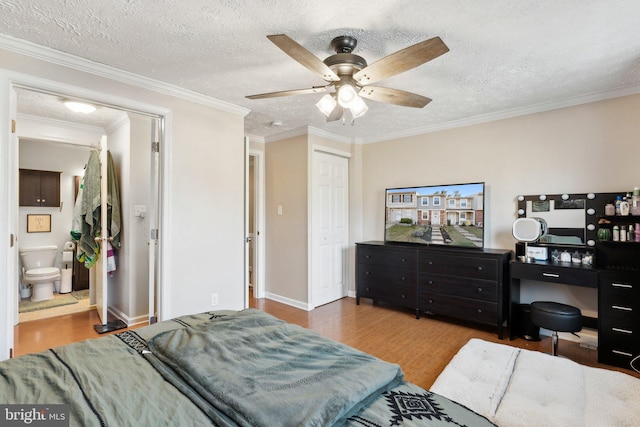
(9, 173)
(259, 237)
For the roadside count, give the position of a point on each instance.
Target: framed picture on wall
(38, 223)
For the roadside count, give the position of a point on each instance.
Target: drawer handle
(367, 289)
(367, 273)
(617, 307)
(431, 282)
(403, 260)
(479, 311)
(430, 263)
(622, 353)
(367, 256)
(624, 331)
(430, 301)
(621, 285)
(479, 268)
(551, 275)
(404, 296)
(480, 290)
(403, 278)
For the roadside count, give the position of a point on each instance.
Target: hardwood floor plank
(422, 347)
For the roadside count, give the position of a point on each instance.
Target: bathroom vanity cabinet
(39, 188)
(467, 284)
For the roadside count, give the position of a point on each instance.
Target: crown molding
(36, 51)
(507, 114)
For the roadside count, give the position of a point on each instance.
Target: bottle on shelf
(635, 201)
(624, 207)
(631, 234)
(616, 233)
(618, 201)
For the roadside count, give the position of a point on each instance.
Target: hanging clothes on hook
(86, 223)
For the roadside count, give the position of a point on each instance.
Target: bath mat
(27, 306)
(82, 294)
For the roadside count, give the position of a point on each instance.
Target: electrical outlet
(214, 300)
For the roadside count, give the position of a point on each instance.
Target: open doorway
(130, 135)
(255, 215)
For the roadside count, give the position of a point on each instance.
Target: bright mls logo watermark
(34, 415)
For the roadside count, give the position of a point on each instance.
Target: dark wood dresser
(466, 284)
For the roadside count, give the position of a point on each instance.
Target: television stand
(466, 284)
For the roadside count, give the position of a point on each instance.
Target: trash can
(523, 326)
(65, 280)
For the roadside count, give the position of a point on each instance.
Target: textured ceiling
(505, 56)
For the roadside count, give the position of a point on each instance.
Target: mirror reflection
(564, 215)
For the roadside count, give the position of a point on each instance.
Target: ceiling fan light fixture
(358, 108)
(79, 107)
(347, 95)
(327, 104)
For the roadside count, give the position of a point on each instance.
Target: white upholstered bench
(515, 387)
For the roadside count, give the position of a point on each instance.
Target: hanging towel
(113, 203)
(111, 259)
(89, 213)
(86, 226)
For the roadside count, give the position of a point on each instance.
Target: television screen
(449, 215)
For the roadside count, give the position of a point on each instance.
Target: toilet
(38, 270)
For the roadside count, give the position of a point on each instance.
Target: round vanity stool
(556, 317)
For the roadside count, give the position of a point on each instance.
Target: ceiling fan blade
(336, 114)
(315, 89)
(303, 56)
(401, 61)
(394, 96)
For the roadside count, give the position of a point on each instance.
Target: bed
(244, 368)
(516, 388)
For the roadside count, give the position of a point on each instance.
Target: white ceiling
(507, 57)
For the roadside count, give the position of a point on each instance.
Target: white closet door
(330, 227)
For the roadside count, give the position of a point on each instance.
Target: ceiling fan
(351, 77)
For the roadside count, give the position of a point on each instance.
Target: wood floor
(421, 347)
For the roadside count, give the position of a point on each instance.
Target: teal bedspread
(275, 373)
(224, 368)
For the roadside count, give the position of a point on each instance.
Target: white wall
(202, 234)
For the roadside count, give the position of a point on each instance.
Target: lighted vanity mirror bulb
(565, 197)
(591, 243)
(591, 196)
(520, 211)
(520, 198)
(591, 227)
(543, 197)
(591, 211)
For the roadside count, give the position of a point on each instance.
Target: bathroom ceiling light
(79, 107)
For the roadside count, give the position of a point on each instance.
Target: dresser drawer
(485, 290)
(391, 257)
(395, 295)
(461, 266)
(550, 273)
(461, 308)
(618, 346)
(390, 276)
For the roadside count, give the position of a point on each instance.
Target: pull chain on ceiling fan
(351, 77)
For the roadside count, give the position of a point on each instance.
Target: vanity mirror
(567, 217)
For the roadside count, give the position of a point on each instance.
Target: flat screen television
(449, 215)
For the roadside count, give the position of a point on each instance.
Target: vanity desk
(611, 267)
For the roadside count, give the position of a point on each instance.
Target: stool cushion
(556, 316)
